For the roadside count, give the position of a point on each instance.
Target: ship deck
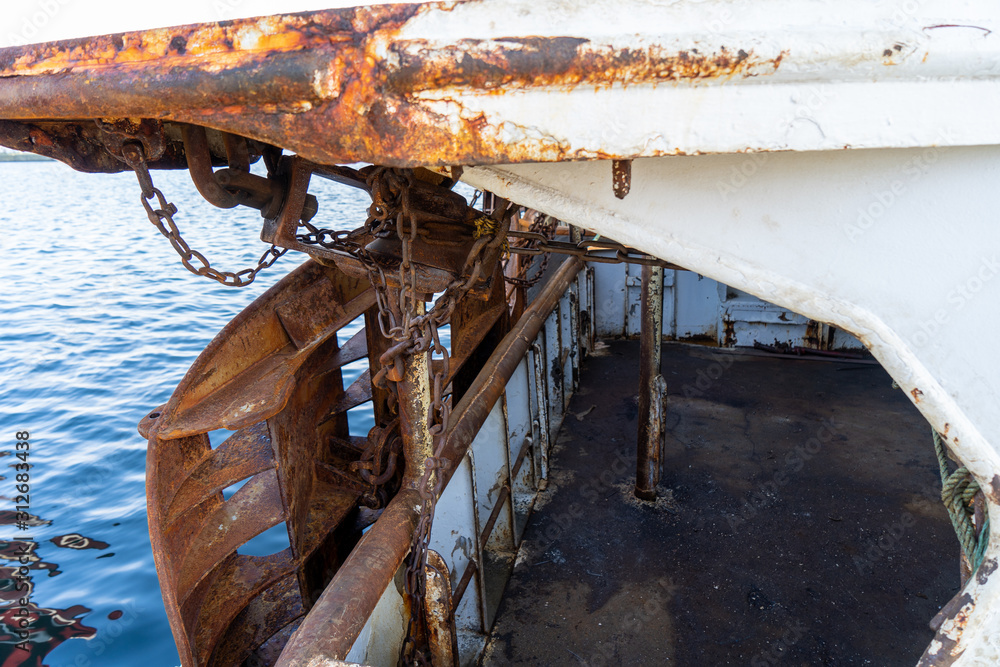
(799, 522)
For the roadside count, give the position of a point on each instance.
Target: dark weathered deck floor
(800, 523)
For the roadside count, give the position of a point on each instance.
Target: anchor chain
(414, 333)
(378, 463)
(162, 217)
(419, 334)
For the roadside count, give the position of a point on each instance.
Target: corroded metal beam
(504, 82)
(340, 613)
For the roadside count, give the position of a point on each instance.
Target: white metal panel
(895, 246)
(518, 394)
(519, 434)
(489, 449)
(842, 340)
(381, 639)
(540, 421)
(745, 320)
(523, 491)
(551, 363)
(498, 560)
(818, 75)
(453, 534)
(609, 299)
(697, 306)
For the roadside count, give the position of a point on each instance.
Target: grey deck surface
(777, 541)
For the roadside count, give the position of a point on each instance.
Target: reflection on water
(28, 632)
(100, 324)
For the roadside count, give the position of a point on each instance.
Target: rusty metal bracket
(117, 132)
(621, 177)
(199, 159)
(439, 607)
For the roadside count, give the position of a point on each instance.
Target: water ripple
(100, 323)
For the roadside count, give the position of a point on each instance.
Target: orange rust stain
(916, 393)
(285, 41)
(961, 618)
(363, 109)
(274, 34)
(568, 62)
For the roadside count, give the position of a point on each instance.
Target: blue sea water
(99, 323)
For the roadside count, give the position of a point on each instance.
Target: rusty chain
(162, 217)
(587, 250)
(546, 226)
(412, 332)
(378, 463)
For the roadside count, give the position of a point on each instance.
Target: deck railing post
(647, 474)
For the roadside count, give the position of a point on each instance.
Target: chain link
(546, 226)
(419, 334)
(162, 216)
(378, 463)
(587, 250)
(412, 333)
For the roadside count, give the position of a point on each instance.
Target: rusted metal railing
(333, 625)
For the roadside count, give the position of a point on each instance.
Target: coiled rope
(958, 488)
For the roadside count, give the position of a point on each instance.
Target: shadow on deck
(799, 522)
